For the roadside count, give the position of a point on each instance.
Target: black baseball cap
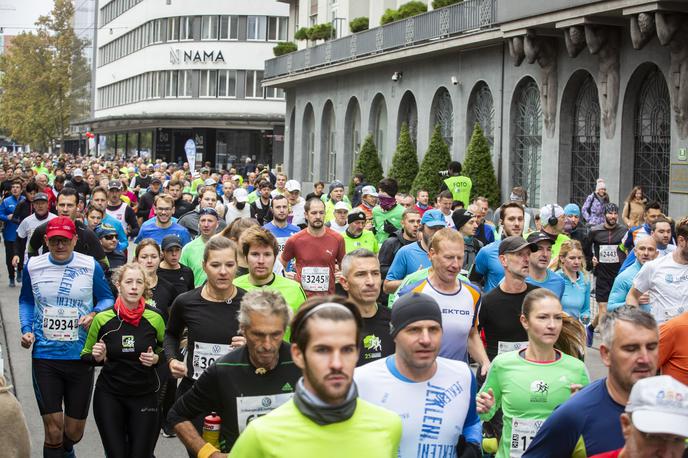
(515, 243)
(40, 196)
(115, 184)
(540, 236)
(171, 241)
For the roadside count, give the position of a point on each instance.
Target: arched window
(308, 141)
(585, 144)
(442, 114)
(378, 123)
(352, 131)
(652, 137)
(527, 140)
(408, 113)
(482, 111)
(329, 151)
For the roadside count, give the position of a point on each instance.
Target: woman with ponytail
(530, 383)
(570, 265)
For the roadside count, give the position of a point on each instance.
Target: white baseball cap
(369, 191)
(293, 185)
(240, 195)
(659, 405)
(341, 205)
(77, 173)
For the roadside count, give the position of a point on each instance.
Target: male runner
(61, 293)
(434, 396)
(318, 251)
(244, 384)
(325, 417)
(362, 281)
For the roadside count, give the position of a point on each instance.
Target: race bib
(504, 347)
(251, 407)
(281, 242)
(315, 278)
(523, 432)
(61, 324)
(609, 254)
(205, 355)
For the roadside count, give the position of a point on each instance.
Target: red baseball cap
(62, 226)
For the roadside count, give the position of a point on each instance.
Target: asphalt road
(17, 365)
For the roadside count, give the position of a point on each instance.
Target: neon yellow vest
(460, 187)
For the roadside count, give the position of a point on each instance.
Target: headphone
(553, 220)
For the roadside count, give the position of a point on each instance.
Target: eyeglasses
(110, 237)
(163, 209)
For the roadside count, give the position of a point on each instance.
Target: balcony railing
(467, 16)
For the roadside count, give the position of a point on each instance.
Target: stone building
(566, 90)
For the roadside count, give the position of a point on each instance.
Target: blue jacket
(6, 209)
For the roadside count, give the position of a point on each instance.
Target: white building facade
(172, 70)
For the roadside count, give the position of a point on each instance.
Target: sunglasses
(110, 237)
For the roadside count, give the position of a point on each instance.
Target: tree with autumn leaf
(45, 80)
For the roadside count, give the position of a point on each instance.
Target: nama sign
(177, 56)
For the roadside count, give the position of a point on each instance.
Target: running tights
(128, 426)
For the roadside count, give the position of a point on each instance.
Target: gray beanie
(334, 185)
(413, 307)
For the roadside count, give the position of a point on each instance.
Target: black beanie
(461, 216)
(413, 307)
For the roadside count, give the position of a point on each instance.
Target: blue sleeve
(397, 271)
(101, 290)
(558, 435)
(480, 264)
(123, 242)
(141, 235)
(472, 428)
(628, 262)
(26, 304)
(585, 311)
(3, 212)
(185, 236)
(489, 233)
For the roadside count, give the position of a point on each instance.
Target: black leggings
(9, 254)
(128, 425)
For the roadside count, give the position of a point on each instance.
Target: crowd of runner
(250, 317)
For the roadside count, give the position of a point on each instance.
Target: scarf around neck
(131, 316)
(386, 202)
(321, 413)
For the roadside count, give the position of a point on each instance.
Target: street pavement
(18, 373)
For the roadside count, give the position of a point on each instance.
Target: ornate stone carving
(543, 50)
(672, 31)
(516, 50)
(605, 43)
(642, 29)
(574, 37)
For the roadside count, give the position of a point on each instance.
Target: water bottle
(211, 429)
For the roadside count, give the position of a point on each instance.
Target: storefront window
(133, 144)
(146, 144)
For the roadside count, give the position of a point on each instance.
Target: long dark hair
(631, 195)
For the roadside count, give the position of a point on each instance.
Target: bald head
(645, 249)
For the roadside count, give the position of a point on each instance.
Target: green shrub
(437, 158)
(284, 47)
(321, 32)
(358, 24)
(405, 161)
(411, 9)
(478, 167)
(389, 16)
(302, 34)
(442, 3)
(368, 164)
